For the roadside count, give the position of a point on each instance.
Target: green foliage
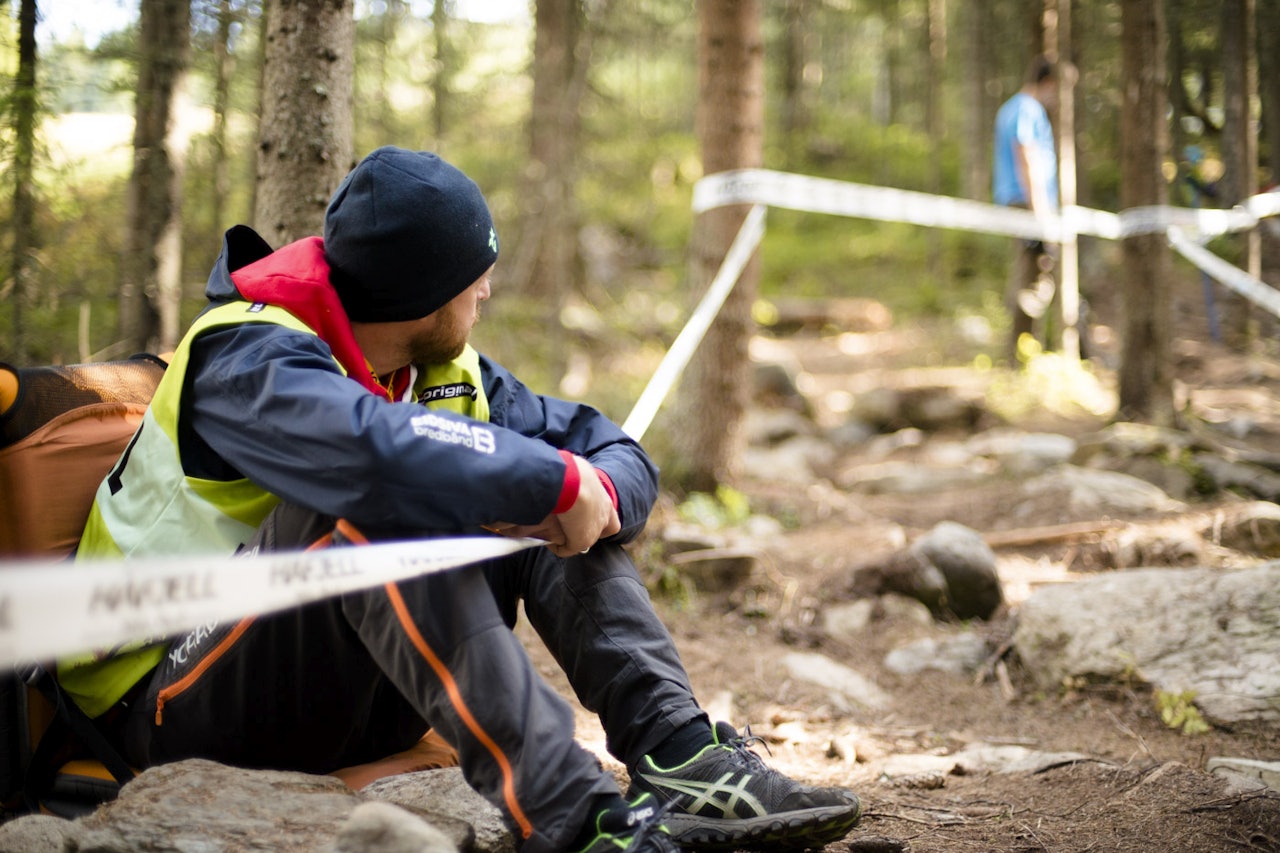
(80, 80)
(1179, 712)
(1049, 381)
(728, 507)
(862, 95)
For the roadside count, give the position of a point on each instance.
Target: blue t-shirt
(1022, 119)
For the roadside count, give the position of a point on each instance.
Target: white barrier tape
(823, 195)
(1263, 205)
(677, 357)
(53, 609)
(48, 610)
(1256, 291)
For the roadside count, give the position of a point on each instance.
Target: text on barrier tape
(52, 609)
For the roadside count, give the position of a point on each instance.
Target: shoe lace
(741, 745)
(652, 828)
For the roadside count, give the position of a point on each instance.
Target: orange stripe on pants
(459, 705)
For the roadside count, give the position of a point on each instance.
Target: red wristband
(572, 483)
(607, 482)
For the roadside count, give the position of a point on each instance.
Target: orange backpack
(61, 430)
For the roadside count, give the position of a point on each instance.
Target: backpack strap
(70, 724)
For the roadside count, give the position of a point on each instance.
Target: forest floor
(1144, 786)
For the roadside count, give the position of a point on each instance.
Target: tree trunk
(224, 65)
(731, 135)
(441, 78)
(935, 44)
(1268, 46)
(1146, 381)
(1069, 268)
(795, 114)
(977, 116)
(1238, 157)
(383, 118)
(152, 263)
(1267, 18)
(305, 137)
(1176, 58)
(546, 266)
(24, 213)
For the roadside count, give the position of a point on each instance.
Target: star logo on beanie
(493, 240)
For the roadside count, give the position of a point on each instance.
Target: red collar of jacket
(296, 278)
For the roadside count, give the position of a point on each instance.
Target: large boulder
(1208, 631)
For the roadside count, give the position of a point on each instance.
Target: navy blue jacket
(269, 403)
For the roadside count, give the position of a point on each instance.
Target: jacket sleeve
(582, 430)
(270, 404)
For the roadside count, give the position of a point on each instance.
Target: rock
(679, 537)
(768, 427)
(930, 408)
(878, 408)
(795, 460)
(716, 570)
(38, 834)
(1266, 772)
(1253, 528)
(1088, 491)
(445, 792)
(878, 844)
(1011, 758)
(774, 386)
(903, 572)
(850, 618)
(850, 434)
(1206, 631)
(390, 829)
(1113, 446)
(969, 566)
(908, 765)
(957, 655)
(1145, 548)
(840, 679)
(849, 314)
(979, 757)
(909, 478)
(939, 409)
(1243, 477)
(1023, 453)
(198, 805)
(950, 569)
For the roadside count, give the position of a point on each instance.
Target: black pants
(353, 679)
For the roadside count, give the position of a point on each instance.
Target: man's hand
(592, 517)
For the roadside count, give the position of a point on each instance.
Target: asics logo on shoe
(723, 794)
(639, 816)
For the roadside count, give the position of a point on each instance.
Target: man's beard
(443, 343)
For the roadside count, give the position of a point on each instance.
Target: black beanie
(404, 234)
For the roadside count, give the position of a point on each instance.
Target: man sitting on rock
(332, 382)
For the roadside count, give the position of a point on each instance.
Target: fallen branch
(1025, 536)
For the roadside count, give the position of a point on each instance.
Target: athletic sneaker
(636, 829)
(727, 798)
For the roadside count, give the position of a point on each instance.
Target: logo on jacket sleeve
(437, 428)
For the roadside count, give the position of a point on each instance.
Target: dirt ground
(1143, 787)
